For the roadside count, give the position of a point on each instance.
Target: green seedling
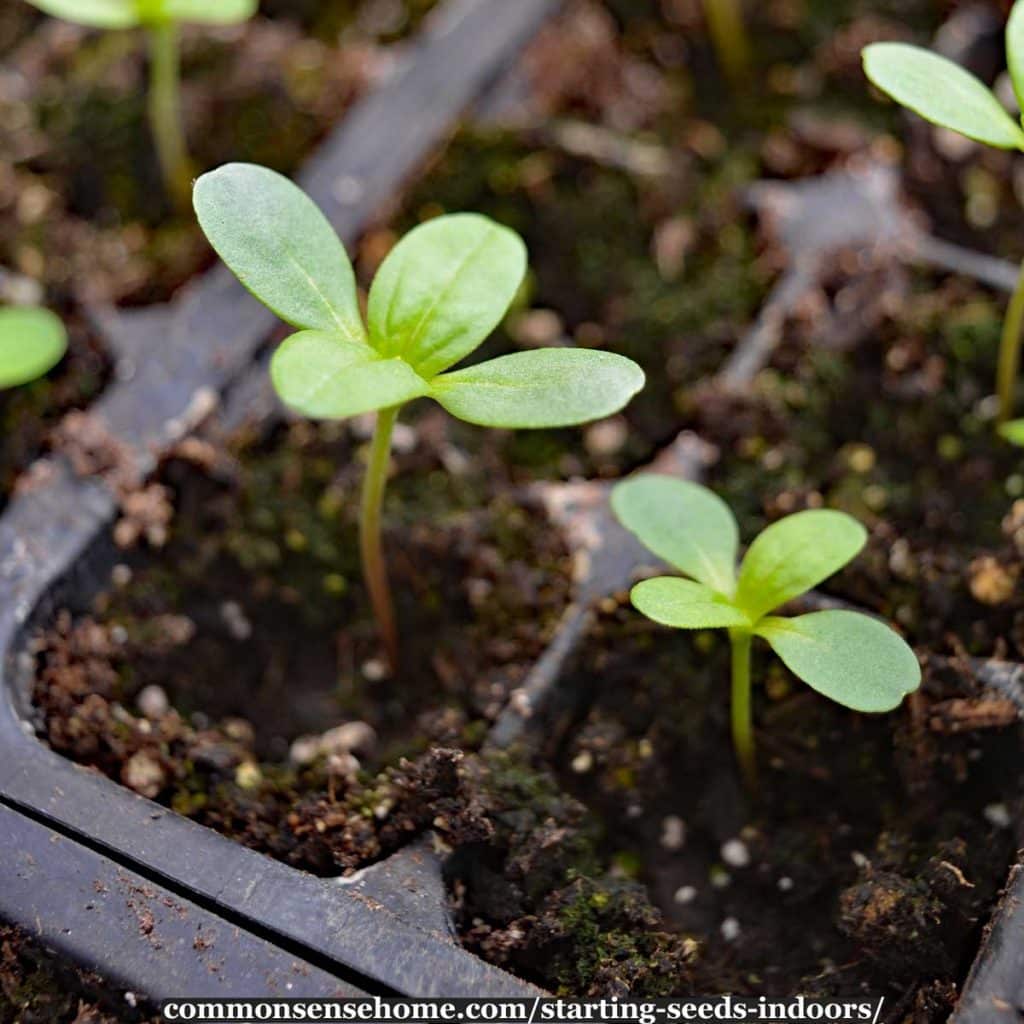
(32, 342)
(950, 96)
(161, 20)
(439, 294)
(851, 658)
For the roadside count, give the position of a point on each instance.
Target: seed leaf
(325, 376)
(1015, 50)
(685, 604)
(210, 12)
(683, 523)
(795, 554)
(941, 92)
(281, 247)
(554, 387)
(443, 289)
(32, 341)
(853, 659)
(94, 13)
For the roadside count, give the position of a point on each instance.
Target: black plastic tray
(69, 836)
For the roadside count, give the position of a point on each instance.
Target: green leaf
(941, 92)
(685, 604)
(554, 387)
(94, 13)
(1013, 432)
(211, 12)
(32, 342)
(684, 524)
(281, 247)
(794, 555)
(853, 659)
(324, 376)
(1015, 50)
(443, 289)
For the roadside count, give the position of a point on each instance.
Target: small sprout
(32, 342)
(439, 294)
(161, 20)
(851, 658)
(948, 95)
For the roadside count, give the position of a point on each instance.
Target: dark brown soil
(253, 625)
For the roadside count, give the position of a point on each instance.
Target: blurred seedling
(161, 20)
(948, 95)
(849, 657)
(438, 295)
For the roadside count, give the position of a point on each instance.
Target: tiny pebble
(248, 775)
(998, 815)
(236, 620)
(538, 328)
(785, 884)
(121, 575)
(606, 437)
(859, 859)
(634, 811)
(131, 999)
(673, 832)
(731, 929)
(404, 439)
(343, 766)
(735, 853)
(375, 670)
(685, 894)
(152, 701)
(583, 762)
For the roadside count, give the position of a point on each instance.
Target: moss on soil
(38, 988)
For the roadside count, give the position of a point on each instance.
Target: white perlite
(736, 853)
(998, 815)
(673, 832)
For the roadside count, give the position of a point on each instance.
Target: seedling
(161, 20)
(852, 658)
(950, 96)
(32, 342)
(442, 290)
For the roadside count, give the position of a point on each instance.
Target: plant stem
(729, 36)
(1009, 351)
(742, 728)
(165, 111)
(374, 570)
